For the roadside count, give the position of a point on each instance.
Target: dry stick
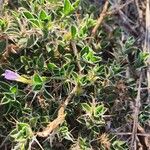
(119, 8)
(101, 17)
(60, 117)
(148, 78)
(147, 45)
(105, 13)
(126, 21)
(70, 96)
(138, 10)
(129, 133)
(114, 11)
(136, 113)
(72, 93)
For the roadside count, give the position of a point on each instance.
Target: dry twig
(101, 17)
(116, 9)
(135, 115)
(60, 117)
(147, 44)
(143, 137)
(104, 13)
(54, 124)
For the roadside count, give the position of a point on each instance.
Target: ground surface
(75, 75)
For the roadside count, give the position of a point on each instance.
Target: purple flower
(10, 75)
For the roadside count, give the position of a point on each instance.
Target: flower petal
(10, 75)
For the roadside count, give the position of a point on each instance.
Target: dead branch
(146, 47)
(116, 9)
(60, 117)
(104, 13)
(135, 115)
(54, 124)
(101, 17)
(70, 96)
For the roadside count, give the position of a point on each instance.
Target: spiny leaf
(68, 8)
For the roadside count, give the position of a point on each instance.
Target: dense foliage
(76, 90)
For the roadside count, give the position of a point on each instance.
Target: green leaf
(22, 132)
(9, 96)
(32, 40)
(4, 86)
(14, 89)
(22, 42)
(37, 87)
(86, 107)
(33, 121)
(40, 62)
(43, 15)
(75, 76)
(99, 110)
(37, 79)
(2, 46)
(68, 8)
(28, 15)
(3, 24)
(73, 31)
(41, 1)
(35, 23)
(130, 41)
(51, 66)
(5, 100)
(89, 55)
(118, 145)
(70, 68)
(76, 4)
(25, 60)
(47, 95)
